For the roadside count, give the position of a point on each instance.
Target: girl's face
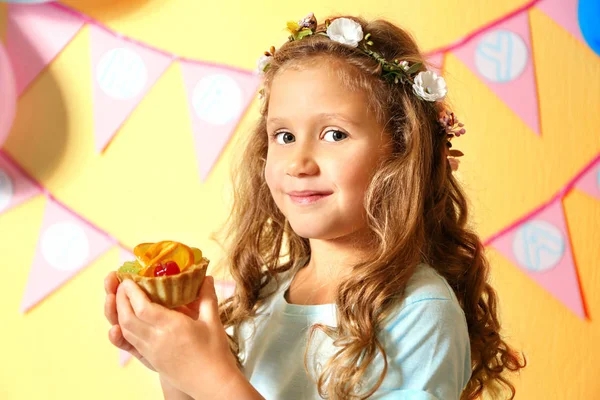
(324, 146)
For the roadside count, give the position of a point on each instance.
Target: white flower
(262, 63)
(345, 31)
(429, 86)
(404, 65)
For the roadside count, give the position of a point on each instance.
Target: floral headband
(426, 85)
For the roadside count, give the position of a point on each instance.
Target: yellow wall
(60, 348)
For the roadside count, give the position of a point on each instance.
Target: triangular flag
(218, 97)
(35, 34)
(541, 248)
(436, 62)
(564, 13)
(123, 73)
(15, 187)
(502, 58)
(66, 245)
(590, 181)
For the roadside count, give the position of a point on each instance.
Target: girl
(356, 275)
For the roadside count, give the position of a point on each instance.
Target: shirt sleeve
(428, 352)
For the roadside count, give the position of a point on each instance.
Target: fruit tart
(170, 273)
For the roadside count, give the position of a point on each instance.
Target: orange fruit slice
(140, 250)
(197, 255)
(182, 255)
(155, 254)
(162, 252)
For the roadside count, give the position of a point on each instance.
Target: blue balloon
(588, 14)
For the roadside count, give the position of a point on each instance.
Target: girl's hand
(189, 348)
(115, 335)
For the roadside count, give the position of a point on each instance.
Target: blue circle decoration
(539, 246)
(501, 56)
(588, 15)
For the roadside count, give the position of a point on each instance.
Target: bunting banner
(15, 187)
(35, 35)
(66, 245)
(124, 70)
(540, 245)
(123, 73)
(217, 99)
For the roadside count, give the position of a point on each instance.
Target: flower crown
(426, 85)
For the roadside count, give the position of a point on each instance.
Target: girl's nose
(301, 163)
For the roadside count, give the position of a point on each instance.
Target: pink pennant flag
(541, 248)
(35, 35)
(123, 73)
(590, 181)
(564, 13)
(217, 98)
(436, 62)
(15, 187)
(66, 245)
(502, 58)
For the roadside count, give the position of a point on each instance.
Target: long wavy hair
(416, 212)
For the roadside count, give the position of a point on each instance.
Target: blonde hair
(416, 212)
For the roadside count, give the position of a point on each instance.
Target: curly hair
(416, 212)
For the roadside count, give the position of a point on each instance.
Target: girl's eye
(284, 138)
(334, 136)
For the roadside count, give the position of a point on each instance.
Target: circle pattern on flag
(7, 190)
(217, 99)
(501, 56)
(122, 74)
(539, 246)
(65, 246)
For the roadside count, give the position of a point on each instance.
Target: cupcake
(170, 273)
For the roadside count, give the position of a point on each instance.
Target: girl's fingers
(115, 336)
(191, 310)
(111, 283)
(134, 330)
(110, 309)
(141, 305)
(208, 305)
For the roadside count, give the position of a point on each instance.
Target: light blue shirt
(425, 339)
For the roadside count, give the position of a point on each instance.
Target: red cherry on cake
(166, 269)
(159, 269)
(171, 268)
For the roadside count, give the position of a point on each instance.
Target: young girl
(356, 275)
